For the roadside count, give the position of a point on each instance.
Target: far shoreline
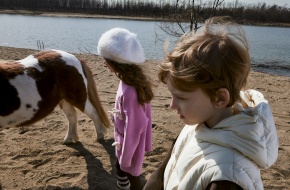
(90, 15)
(75, 15)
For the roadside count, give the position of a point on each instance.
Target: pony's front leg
(72, 115)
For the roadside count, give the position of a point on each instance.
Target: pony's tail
(94, 97)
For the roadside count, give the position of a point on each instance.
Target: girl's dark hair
(133, 75)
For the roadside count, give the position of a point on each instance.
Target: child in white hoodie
(229, 133)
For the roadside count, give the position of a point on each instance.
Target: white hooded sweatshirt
(234, 150)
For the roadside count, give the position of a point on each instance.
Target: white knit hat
(122, 46)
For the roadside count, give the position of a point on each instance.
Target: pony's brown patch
(10, 70)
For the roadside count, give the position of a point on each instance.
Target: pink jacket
(133, 129)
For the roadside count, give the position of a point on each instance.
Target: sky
(268, 2)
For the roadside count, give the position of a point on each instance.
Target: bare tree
(187, 15)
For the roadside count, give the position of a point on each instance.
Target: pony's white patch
(28, 94)
(30, 61)
(71, 60)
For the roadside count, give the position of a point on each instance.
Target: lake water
(269, 46)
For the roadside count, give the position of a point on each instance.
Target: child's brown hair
(133, 75)
(210, 60)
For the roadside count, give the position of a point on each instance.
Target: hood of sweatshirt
(250, 131)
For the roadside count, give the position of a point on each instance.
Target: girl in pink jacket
(131, 114)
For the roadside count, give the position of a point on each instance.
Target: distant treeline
(156, 9)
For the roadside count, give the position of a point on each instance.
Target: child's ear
(222, 98)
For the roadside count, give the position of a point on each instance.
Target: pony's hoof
(70, 140)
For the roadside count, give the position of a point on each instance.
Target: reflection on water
(269, 46)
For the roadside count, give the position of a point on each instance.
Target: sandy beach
(33, 157)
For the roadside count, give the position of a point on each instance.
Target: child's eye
(180, 98)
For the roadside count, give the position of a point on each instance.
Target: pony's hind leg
(92, 113)
(71, 114)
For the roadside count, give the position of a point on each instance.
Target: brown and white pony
(32, 87)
